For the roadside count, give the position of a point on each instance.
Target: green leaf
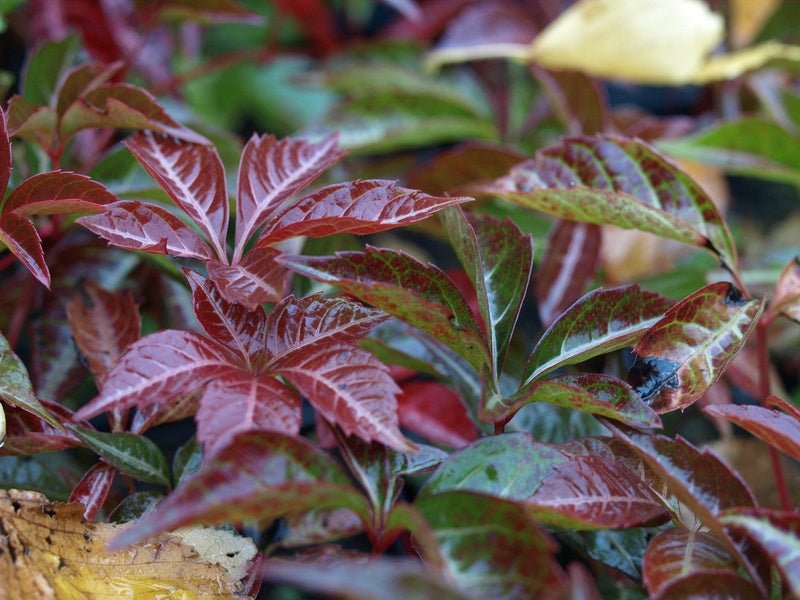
(132, 454)
(498, 259)
(35, 473)
(750, 146)
(553, 424)
(689, 348)
(600, 322)
(609, 180)
(623, 550)
(16, 388)
(45, 69)
(187, 460)
(134, 506)
(419, 294)
(490, 546)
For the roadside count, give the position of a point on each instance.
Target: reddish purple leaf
(270, 172)
(134, 225)
(255, 279)
(21, 237)
(57, 192)
(28, 434)
(590, 492)
(296, 326)
(92, 490)
(103, 325)
(79, 80)
(181, 407)
(241, 402)
(348, 387)
(775, 428)
(569, 264)
(5, 154)
(157, 368)
(711, 586)
(193, 176)
(242, 330)
(576, 99)
(788, 408)
(676, 553)
(787, 292)
(30, 122)
(689, 348)
(435, 412)
(258, 476)
(359, 207)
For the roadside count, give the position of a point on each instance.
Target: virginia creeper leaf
(157, 368)
(132, 454)
(16, 388)
(728, 585)
(687, 350)
(257, 476)
(193, 176)
(255, 279)
(45, 67)
(358, 207)
(25, 433)
(80, 80)
(609, 180)
(498, 259)
(568, 265)
(270, 172)
(775, 428)
(435, 412)
(600, 322)
(22, 239)
(55, 366)
(399, 285)
(187, 460)
(242, 402)
(57, 192)
(602, 395)
(144, 227)
(92, 490)
(787, 292)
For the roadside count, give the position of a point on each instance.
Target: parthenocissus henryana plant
(466, 334)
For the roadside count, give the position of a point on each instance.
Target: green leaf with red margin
(610, 180)
(690, 347)
(787, 292)
(15, 385)
(490, 547)
(418, 294)
(364, 578)
(602, 321)
(775, 428)
(498, 260)
(676, 553)
(698, 479)
(593, 393)
(777, 533)
(258, 476)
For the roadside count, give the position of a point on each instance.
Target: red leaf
(21, 237)
(359, 207)
(57, 192)
(5, 155)
(775, 428)
(350, 388)
(148, 228)
(296, 326)
(568, 265)
(193, 176)
(157, 368)
(103, 325)
(182, 407)
(726, 585)
(242, 402)
(256, 279)
(676, 553)
(270, 172)
(435, 412)
(240, 329)
(787, 292)
(28, 434)
(92, 490)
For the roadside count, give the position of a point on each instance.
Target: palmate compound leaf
(418, 294)
(255, 279)
(773, 427)
(498, 260)
(602, 321)
(258, 476)
(609, 180)
(690, 347)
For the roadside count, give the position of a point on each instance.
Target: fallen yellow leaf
(49, 551)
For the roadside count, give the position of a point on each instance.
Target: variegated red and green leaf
(26, 434)
(689, 348)
(602, 321)
(773, 427)
(787, 292)
(255, 279)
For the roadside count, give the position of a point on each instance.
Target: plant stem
(764, 392)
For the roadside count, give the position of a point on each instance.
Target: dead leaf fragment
(48, 550)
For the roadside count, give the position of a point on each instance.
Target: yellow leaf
(728, 66)
(748, 17)
(50, 551)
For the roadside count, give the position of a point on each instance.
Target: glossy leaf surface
(92, 490)
(26, 434)
(687, 350)
(717, 586)
(602, 321)
(132, 454)
(568, 265)
(787, 292)
(435, 412)
(257, 476)
(399, 285)
(22, 239)
(498, 259)
(775, 428)
(255, 279)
